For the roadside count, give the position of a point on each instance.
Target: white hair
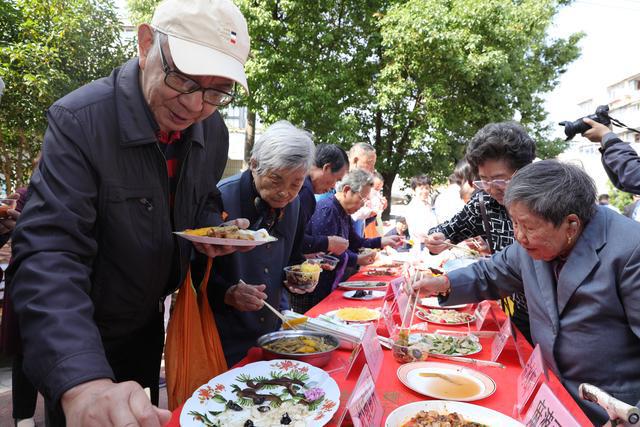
(283, 146)
(357, 180)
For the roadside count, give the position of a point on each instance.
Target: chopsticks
(387, 342)
(276, 312)
(469, 251)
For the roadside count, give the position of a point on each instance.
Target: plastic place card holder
(547, 410)
(372, 351)
(534, 371)
(482, 310)
(387, 313)
(500, 340)
(363, 406)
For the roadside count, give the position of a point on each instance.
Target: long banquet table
(392, 393)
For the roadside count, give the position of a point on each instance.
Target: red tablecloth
(392, 393)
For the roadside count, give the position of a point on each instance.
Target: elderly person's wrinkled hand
(245, 297)
(105, 403)
(436, 243)
(393, 241)
(337, 245)
(213, 251)
(597, 131)
(366, 258)
(429, 285)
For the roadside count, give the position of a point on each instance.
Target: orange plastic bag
(193, 352)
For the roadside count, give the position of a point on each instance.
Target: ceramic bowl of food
(315, 348)
(303, 276)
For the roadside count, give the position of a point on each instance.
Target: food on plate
(305, 275)
(362, 285)
(261, 401)
(299, 345)
(439, 419)
(362, 294)
(450, 386)
(225, 232)
(357, 314)
(381, 272)
(445, 316)
(448, 344)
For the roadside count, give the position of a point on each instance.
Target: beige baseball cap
(206, 37)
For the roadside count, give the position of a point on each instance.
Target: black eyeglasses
(183, 84)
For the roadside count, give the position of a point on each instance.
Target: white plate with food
(266, 393)
(446, 381)
(445, 317)
(432, 412)
(363, 284)
(433, 302)
(364, 295)
(354, 315)
(446, 345)
(227, 235)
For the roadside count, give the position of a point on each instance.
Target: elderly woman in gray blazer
(267, 195)
(579, 266)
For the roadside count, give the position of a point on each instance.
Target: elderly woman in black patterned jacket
(495, 153)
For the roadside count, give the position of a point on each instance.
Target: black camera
(578, 126)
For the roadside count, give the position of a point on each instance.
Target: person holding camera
(620, 160)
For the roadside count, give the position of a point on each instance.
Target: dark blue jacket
(330, 219)
(621, 162)
(93, 249)
(262, 265)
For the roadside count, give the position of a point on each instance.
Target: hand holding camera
(596, 132)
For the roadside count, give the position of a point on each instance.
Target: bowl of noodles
(315, 348)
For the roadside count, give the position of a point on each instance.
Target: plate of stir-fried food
(431, 413)
(227, 235)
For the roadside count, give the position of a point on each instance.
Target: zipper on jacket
(147, 204)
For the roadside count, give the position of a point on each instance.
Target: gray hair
(357, 180)
(283, 146)
(361, 146)
(552, 190)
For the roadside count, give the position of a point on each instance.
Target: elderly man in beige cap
(126, 161)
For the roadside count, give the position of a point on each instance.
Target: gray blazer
(589, 331)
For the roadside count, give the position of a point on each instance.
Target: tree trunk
(389, 177)
(249, 137)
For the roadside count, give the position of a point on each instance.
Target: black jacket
(621, 162)
(93, 249)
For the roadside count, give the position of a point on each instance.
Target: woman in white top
(419, 214)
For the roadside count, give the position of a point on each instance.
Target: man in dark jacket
(126, 160)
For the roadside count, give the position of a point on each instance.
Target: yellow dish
(357, 314)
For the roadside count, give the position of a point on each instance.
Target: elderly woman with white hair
(333, 218)
(266, 195)
(579, 266)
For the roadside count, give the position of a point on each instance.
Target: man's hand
(597, 131)
(105, 403)
(337, 245)
(430, 285)
(366, 258)
(436, 243)
(393, 241)
(245, 297)
(298, 290)
(213, 251)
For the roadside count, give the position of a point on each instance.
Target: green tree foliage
(48, 48)
(141, 11)
(618, 198)
(414, 78)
